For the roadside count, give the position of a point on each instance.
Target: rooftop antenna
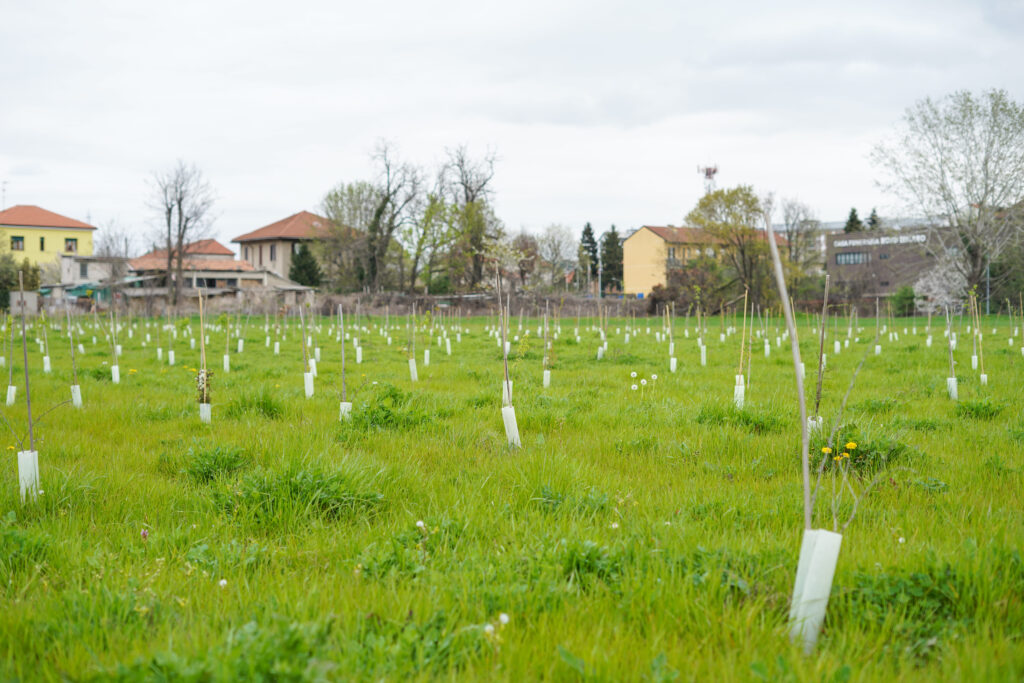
(709, 177)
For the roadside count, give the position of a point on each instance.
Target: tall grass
(634, 536)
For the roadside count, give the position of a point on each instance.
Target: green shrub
(20, 549)
(586, 561)
(262, 404)
(758, 422)
(268, 497)
(388, 408)
(203, 465)
(871, 453)
(983, 409)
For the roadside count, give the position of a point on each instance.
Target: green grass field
(636, 535)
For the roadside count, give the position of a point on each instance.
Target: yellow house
(648, 253)
(42, 236)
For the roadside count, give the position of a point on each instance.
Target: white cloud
(598, 111)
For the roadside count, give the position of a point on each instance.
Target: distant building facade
(76, 269)
(210, 266)
(877, 263)
(43, 236)
(273, 246)
(650, 251)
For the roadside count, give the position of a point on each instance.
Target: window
(884, 283)
(672, 253)
(17, 243)
(71, 245)
(852, 258)
(883, 256)
(83, 270)
(261, 254)
(247, 254)
(295, 247)
(273, 253)
(42, 244)
(231, 282)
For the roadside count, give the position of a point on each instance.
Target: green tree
(734, 217)
(853, 223)
(305, 270)
(903, 301)
(611, 260)
(588, 251)
(874, 222)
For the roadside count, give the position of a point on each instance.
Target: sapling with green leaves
(951, 383)
(411, 346)
(76, 389)
(815, 418)
(12, 391)
(204, 374)
(307, 373)
(508, 411)
(345, 407)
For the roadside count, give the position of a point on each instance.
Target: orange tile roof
(299, 226)
(150, 262)
(32, 216)
(681, 235)
(202, 247)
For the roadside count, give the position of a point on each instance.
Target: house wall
(870, 264)
(643, 262)
(282, 263)
(71, 271)
(53, 245)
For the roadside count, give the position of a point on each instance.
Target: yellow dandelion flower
(826, 450)
(850, 446)
(10, 448)
(837, 458)
(845, 455)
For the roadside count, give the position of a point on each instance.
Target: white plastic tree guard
(819, 553)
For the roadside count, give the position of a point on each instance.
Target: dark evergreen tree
(853, 223)
(611, 260)
(588, 249)
(874, 222)
(305, 270)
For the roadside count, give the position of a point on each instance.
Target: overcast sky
(598, 111)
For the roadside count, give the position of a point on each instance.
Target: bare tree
(557, 248)
(960, 163)
(802, 231)
(525, 246)
(184, 200)
(117, 244)
(342, 248)
(468, 182)
(469, 179)
(398, 188)
(421, 235)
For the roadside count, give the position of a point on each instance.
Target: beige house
(209, 265)
(272, 246)
(649, 252)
